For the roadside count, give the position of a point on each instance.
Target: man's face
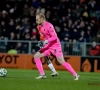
(93, 44)
(38, 20)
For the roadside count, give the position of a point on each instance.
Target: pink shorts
(57, 52)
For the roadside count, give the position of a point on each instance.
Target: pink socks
(39, 65)
(69, 68)
(65, 64)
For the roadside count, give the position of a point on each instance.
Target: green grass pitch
(17, 79)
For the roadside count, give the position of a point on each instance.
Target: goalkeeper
(51, 45)
(49, 63)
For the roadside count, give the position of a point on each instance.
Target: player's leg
(38, 62)
(68, 67)
(59, 55)
(42, 52)
(50, 65)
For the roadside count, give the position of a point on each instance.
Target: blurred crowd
(74, 20)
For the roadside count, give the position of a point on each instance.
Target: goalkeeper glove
(42, 43)
(45, 42)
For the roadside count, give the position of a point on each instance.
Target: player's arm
(52, 33)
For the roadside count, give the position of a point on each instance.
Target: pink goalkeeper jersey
(48, 32)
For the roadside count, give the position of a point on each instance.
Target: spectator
(34, 32)
(32, 15)
(34, 35)
(92, 5)
(11, 26)
(98, 37)
(68, 49)
(85, 13)
(4, 16)
(11, 48)
(12, 36)
(95, 49)
(26, 35)
(40, 9)
(35, 3)
(3, 43)
(48, 15)
(58, 30)
(82, 37)
(12, 51)
(89, 34)
(25, 48)
(75, 34)
(77, 10)
(19, 47)
(26, 10)
(66, 35)
(75, 47)
(4, 30)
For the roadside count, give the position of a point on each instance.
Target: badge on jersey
(52, 29)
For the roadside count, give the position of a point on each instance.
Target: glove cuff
(46, 41)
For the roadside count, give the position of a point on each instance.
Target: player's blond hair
(41, 15)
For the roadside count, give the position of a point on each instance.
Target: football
(3, 72)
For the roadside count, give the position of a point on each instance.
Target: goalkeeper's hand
(42, 43)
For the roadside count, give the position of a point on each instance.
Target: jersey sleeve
(52, 33)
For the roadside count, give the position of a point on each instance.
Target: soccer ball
(3, 72)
